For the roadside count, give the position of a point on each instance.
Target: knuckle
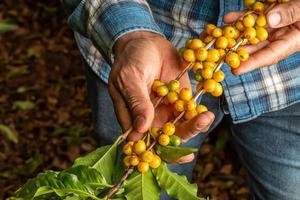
(293, 13)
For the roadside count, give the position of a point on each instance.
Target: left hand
(284, 37)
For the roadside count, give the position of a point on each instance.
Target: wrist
(121, 42)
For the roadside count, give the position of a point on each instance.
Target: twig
(130, 170)
(127, 172)
(186, 69)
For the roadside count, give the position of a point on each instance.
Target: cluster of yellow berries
(205, 63)
(138, 156)
(181, 99)
(249, 29)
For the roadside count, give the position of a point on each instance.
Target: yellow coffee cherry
(218, 90)
(229, 32)
(156, 84)
(190, 105)
(139, 147)
(258, 7)
(147, 156)
(163, 139)
(217, 32)
(233, 60)
(155, 163)
(169, 128)
(219, 76)
(189, 55)
(249, 21)
(172, 97)
(127, 149)
(201, 108)
(209, 28)
(250, 33)
(221, 43)
(126, 161)
(243, 54)
(262, 34)
(201, 54)
(197, 66)
(207, 73)
(254, 41)
(222, 52)
(195, 44)
(143, 167)
(185, 94)
(209, 85)
(162, 90)
(231, 42)
(181, 50)
(174, 85)
(239, 25)
(190, 114)
(213, 55)
(261, 21)
(134, 160)
(179, 105)
(237, 34)
(208, 39)
(130, 143)
(211, 65)
(187, 43)
(248, 3)
(155, 132)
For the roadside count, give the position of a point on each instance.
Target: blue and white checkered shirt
(99, 23)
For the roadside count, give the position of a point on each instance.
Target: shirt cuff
(109, 23)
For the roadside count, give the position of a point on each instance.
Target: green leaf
(33, 163)
(24, 105)
(102, 159)
(61, 184)
(170, 153)
(7, 26)
(9, 133)
(89, 176)
(142, 186)
(119, 168)
(175, 185)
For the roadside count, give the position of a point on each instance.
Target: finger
(193, 127)
(120, 107)
(232, 17)
(135, 92)
(185, 159)
(284, 14)
(279, 33)
(269, 55)
(253, 48)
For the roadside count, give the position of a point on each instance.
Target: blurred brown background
(45, 121)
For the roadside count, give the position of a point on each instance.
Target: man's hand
(284, 39)
(140, 58)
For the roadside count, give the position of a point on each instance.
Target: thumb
(284, 14)
(139, 103)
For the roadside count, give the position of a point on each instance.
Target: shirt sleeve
(105, 21)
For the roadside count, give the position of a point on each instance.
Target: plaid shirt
(99, 23)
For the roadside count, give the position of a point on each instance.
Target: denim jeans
(268, 146)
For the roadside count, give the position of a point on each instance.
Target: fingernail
(274, 19)
(140, 120)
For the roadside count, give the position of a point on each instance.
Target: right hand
(141, 57)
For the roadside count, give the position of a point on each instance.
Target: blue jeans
(268, 147)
